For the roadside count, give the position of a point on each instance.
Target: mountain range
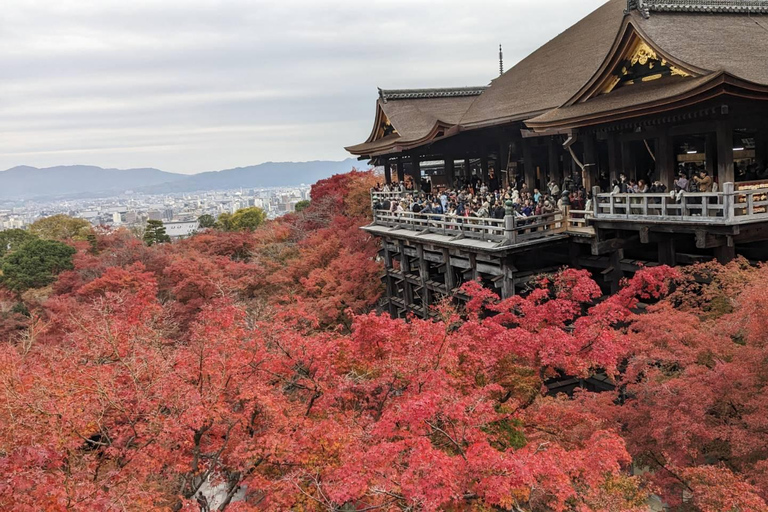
(24, 182)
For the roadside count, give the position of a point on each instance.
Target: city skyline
(189, 87)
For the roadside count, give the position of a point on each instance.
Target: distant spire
(501, 61)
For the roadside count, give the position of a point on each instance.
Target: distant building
(181, 229)
(155, 215)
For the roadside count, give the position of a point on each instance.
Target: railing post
(509, 223)
(595, 200)
(728, 204)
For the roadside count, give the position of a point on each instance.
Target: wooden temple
(638, 87)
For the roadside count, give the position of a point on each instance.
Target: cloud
(196, 85)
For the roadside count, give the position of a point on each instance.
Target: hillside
(26, 182)
(269, 174)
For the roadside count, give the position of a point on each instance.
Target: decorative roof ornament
(501, 61)
(645, 7)
(420, 94)
(637, 5)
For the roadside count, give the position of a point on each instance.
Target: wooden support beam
(529, 168)
(616, 274)
(503, 163)
(602, 247)
(426, 299)
(473, 266)
(484, 168)
(400, 169)
(450, 171)
(725, 254)
(405, 268)
(553, 154)
(450, 279)
(645, 237)
(508, 279)
(725, 172)
(387, 170)
(711, 154)
(665, 160)
(706, 240)
(589, 174)
(416, 172)
(614, 157)
(627, 160)
(666, 247)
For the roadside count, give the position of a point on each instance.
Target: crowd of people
(474, 197)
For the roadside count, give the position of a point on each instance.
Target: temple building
(639, 88)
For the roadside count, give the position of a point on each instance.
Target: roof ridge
(442, 92)
(645, 7)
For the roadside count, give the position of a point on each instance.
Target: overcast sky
(196, 85)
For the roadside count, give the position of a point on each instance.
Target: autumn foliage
(248, 371)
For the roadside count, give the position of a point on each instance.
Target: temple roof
(416, 115)
(697, 39)
(624, 102)
(551, 75)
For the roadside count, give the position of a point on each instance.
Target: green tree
(224, 222)
(206, 221)
(35, 264)
(302, 205)
(248, 219)
(155, 233)
(12, 239)
(61, 227)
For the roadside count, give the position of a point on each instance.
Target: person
(681, 185)
(703, 181)
(616, 187)
(623, 183)
(554, 190)
(493, 181)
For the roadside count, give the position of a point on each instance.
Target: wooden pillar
(467, 170)
(450, 171)
(508, 282)
(589, 175)
(450, 279)
(614, 157)
(528, 167)
(761, 144)
(725, 254)
(503, 164)
(416, 173)
(390, 284)
(724, 153)
(711, 154)
(473, 266)
(405, 268)
(484, 168)
(616, 273)
(387, 170)
(553, 150)
(667, 251)
(627, 160)
(665, 160)
(424, 275)
(400, 169)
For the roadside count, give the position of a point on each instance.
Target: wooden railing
(726, 207)
(380, 197)
(507, 231)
